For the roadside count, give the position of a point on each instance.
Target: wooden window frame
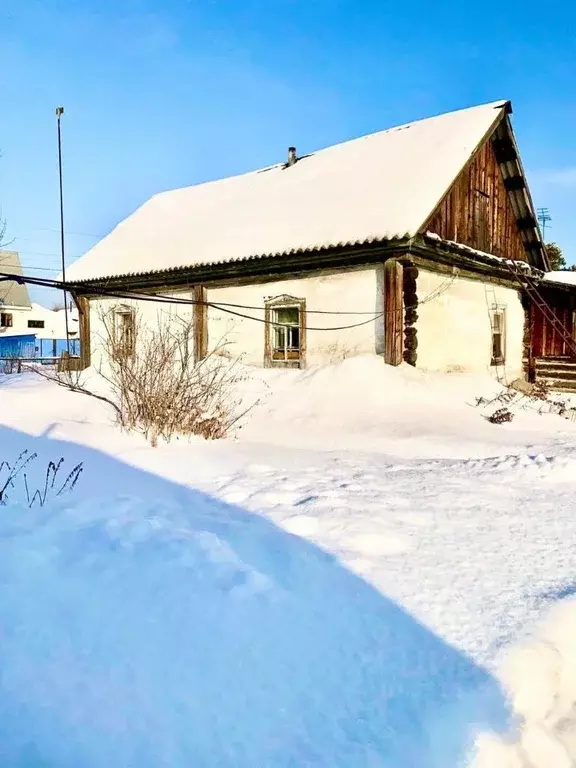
(6, 320)
(502, 312)
(123, 350)
(284, 302)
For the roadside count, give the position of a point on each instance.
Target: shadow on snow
(168, 628)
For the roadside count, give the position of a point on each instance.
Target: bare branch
(153, 383)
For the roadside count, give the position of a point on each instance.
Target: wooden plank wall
(200, 323)
(393, 312)
(547, 340)
(455, 217)
(83, 305)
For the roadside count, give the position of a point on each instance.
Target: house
(413, 243)
(27, 325)
(14, 297)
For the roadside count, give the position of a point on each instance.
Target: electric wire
(163, 299)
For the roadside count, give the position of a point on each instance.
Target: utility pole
(59, 113)
(543, 217)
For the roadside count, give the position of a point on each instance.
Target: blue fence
(27, 345)
(55, 347)
(18, 346)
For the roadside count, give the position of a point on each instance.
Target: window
(481, 221)
(5, 320)
(285, 332)
(498, 320)
(125, 332)
(35, 323)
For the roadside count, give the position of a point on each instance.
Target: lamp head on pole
(59, 111)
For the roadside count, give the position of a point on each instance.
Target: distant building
(20, 317)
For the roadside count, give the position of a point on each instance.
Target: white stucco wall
(342, 292)
(454, 328)
(148, 316)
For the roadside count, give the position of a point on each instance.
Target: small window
(5, 320)
(498, 319)
(125, 332)
(481, 219)
(285, 331)
(35, 323)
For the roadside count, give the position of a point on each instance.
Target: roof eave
(371, 250)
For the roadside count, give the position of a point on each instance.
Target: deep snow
(338, 586)
(143, 634)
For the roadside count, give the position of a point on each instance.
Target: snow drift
(142, 634)
(540, 676)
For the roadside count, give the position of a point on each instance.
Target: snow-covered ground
(337, 586)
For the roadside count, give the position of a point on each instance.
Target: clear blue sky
(160, 94)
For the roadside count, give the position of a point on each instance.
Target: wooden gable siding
(477, 211)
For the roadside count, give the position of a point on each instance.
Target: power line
(44, 253)
(30, 266)
(57, 231)
(160, 299)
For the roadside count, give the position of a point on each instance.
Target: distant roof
(12, 294)
(566, 277)
(377, 187)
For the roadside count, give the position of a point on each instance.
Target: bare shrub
(161, 390)
(10, 364)
(537, 397)
(501, 416)
(53, 485)
(540, 390)
(154, 384)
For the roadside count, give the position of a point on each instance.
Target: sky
(161, 94)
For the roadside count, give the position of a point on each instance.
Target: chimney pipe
(291, 156)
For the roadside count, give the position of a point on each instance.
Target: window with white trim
(498, 321)
(285, 332)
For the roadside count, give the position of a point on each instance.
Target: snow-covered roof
(566, 277)
(377, 187)
(12, 293)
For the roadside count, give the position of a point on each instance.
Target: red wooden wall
(547, 339)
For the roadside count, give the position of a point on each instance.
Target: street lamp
(59, 113)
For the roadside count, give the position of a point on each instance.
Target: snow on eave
(561, 277)
(523, 266)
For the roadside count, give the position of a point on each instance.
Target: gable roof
(12, 294)
(378, 187)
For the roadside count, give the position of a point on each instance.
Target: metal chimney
(291, 156)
